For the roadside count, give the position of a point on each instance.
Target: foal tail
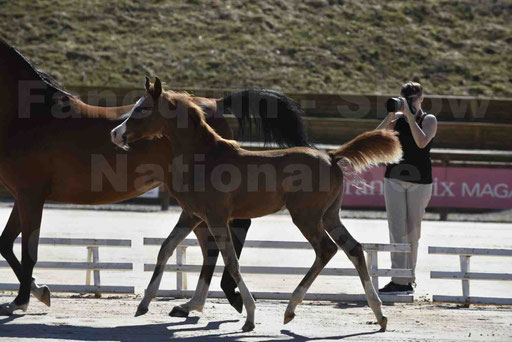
(276, 115)
(368, 149)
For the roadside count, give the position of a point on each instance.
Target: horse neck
(85, 110)
(187, 143)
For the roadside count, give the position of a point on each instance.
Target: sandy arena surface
(88, 319)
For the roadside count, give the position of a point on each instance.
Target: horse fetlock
(383, 322)
(198, 308)
(194, 306)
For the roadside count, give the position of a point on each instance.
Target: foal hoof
(42, 293)
(141, 311)
(288, 317)
(46, 296)
(248, 326)
(383, 323)
(237, 302)
(178, 311)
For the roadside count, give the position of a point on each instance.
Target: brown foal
(222, 184)
(55, 147)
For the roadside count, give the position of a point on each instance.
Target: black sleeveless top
(416, 165)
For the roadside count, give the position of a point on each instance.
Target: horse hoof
(42, 293)
(288, 317)
(141, 311)
(248, 326)
(178, 311)
(8, 309)
(383, 323)
(238, 303)
(46, 297)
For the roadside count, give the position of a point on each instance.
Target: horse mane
(175, 97)
(37, 73)
(77, 105)
(278, 118)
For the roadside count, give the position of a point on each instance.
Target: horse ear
(157, 87)
(147, 84)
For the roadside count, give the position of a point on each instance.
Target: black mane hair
(41, 75)
(279, 116)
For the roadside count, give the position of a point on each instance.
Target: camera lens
(393, 104)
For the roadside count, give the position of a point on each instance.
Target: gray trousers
(405, 207)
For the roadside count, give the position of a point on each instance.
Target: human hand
(406, 110)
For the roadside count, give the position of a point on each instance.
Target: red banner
(456, 187)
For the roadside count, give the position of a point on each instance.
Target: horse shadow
(143, 333)
(297, 337)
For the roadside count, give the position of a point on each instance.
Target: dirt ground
(78, 318)
(75, 318)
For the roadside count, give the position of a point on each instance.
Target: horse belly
(257, 205)
(106, 179)
(80, 194)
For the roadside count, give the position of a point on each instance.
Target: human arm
(422, 136)
(388, 122)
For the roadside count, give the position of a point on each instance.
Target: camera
(394, 104)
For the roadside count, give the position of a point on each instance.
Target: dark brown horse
(307, 182)
(55, 147)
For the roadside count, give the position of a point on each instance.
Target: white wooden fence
(182, 268)
(465, 275)
(92, 264)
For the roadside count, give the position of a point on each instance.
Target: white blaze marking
(116, 135)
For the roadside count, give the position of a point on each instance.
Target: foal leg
(30, 209)
(325, 249)
(185, 225)
(354, 251)
(210, 255)
(239, 229)
(220, 231)
(11, 231)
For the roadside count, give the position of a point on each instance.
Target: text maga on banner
(457, 187)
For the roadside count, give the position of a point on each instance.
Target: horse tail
(277, 117)
(368, 149)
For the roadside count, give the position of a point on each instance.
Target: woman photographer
(408, 184)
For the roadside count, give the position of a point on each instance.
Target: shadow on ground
(149, 332)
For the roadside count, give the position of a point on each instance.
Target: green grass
(451, 47)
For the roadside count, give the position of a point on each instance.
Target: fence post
(88, 271)
(94, 257)
(465, 268)
(181, 277)
(373, 265)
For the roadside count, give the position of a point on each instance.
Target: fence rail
(92, 266)
(182, 268)
(465, 275)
